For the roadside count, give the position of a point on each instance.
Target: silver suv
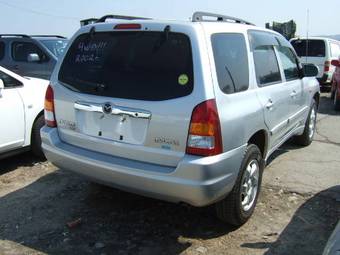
(180, 111)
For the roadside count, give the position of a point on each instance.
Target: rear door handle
(293, 94)
(270, 104)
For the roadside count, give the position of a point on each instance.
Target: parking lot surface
(45, 210)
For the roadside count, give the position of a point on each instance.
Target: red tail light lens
(128, 26)
(205, 137)
(327, 66)
(50, 120)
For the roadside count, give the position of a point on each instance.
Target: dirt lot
(297, 210)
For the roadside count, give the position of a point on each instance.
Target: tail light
(128, 26)
(327, 66)
(204, 137)
(50, 120)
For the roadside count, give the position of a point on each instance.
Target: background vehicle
(21, 113)
(335, 90)
(320, 52)
(182, 111)
(33, 56)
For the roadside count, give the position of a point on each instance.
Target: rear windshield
(310, 48)
(139, 65)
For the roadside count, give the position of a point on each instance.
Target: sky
(62, 17)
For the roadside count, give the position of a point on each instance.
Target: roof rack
(103, 19)
(14, 35)
(57, 36)
(199, 16)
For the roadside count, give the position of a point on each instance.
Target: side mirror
(33, 57)
(335, 62)
(310, 70)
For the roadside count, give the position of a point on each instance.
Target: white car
(21, 113)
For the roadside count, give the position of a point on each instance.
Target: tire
(35, 137)
(332, 94)
(308, 133)
(233, 209)
(336, 100)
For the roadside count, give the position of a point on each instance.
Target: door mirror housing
(33, 57)
(336, 63)
(310, 70)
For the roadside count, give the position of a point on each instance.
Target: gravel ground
(45, 210)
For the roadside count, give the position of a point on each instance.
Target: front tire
(310, 127)
(239, 205)
(36, 138)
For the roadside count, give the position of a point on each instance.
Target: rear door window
(2, 50)
(309, 48)
(289, 63)
(231, 60)
(140, 65)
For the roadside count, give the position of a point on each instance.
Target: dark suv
(33, 56)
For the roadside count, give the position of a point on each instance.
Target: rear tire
(36, 138)
(336, 101)
(308, 134)
(239, 205)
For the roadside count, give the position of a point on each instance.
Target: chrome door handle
(270, 104)
(293, 94)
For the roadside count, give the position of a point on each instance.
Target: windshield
(314, 48)
(133, 65)
(57, 47)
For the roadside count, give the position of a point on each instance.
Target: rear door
(312, 51)
(272, 92)
(128, 93)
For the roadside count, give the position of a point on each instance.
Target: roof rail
(57, 36)
(199, 16)
(103, 19)
(15, 35)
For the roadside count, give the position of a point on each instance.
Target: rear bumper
(197, 181)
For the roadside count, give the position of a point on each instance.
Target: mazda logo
(107, 108)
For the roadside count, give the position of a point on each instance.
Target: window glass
(2, 50)
(335, 50)
(56, 47)
(231, 60)
(289, 63)
(309, 48)
(9, 81)
(21, 50)
(266, 66)
(133, 65)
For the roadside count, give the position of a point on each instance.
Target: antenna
(307, 41)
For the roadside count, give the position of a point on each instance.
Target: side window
(9, 81)
(2, 50)
(289, 63)
(266, 66)
(231, 60)
(21, 50)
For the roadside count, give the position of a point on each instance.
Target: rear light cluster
(50, 120)
(204, 137)
(327, 66)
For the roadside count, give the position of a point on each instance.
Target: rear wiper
(98, 87)
(164, 38)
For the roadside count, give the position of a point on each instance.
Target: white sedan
(21, 113)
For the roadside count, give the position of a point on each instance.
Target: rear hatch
(128, 94)
(311, 51)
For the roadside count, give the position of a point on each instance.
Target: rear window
(139, 65)
(309, 48)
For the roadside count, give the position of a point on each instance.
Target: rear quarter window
(141, 65)
(309, 48)
(231, 61)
